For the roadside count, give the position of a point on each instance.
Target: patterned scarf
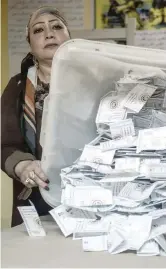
(35, 93)
(29, 120)
(33, 98)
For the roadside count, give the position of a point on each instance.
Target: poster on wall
(149, 14)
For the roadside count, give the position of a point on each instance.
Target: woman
(22, 105)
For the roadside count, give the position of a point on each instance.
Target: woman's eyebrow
(44, 22)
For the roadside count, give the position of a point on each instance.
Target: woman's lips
(50, 46)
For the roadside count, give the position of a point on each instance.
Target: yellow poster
(149, 14)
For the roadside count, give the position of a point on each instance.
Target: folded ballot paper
(113, 171)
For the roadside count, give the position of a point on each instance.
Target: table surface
(54, 250)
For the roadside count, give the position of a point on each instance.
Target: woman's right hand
(31, 174)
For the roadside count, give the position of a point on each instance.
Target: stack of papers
(114, 195)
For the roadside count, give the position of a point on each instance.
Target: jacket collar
(32, 75)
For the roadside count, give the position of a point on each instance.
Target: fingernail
(47, 181)
(46, 188)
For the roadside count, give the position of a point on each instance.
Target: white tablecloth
(54, 250)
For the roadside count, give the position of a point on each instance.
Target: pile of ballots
(114, 195)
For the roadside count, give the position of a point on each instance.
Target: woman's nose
(49, 33)
(49, 36)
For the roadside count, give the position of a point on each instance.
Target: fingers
(30, 183)
(34, 176)
(39, 176)
(41, 183)
(38, 171)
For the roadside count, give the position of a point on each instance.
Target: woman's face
(46, 33)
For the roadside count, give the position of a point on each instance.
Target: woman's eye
(38, 31)
(57, 27)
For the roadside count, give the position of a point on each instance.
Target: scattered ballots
(114, 195)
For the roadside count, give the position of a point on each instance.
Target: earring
(35, 61)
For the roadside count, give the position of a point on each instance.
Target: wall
(6, 182)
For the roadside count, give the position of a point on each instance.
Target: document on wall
(155, 39)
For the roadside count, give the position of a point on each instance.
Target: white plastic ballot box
(82, 73)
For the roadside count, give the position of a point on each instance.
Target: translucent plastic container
(82, 72)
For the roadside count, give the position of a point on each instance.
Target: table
(54, 250)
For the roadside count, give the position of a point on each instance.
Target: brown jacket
(13, 146)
